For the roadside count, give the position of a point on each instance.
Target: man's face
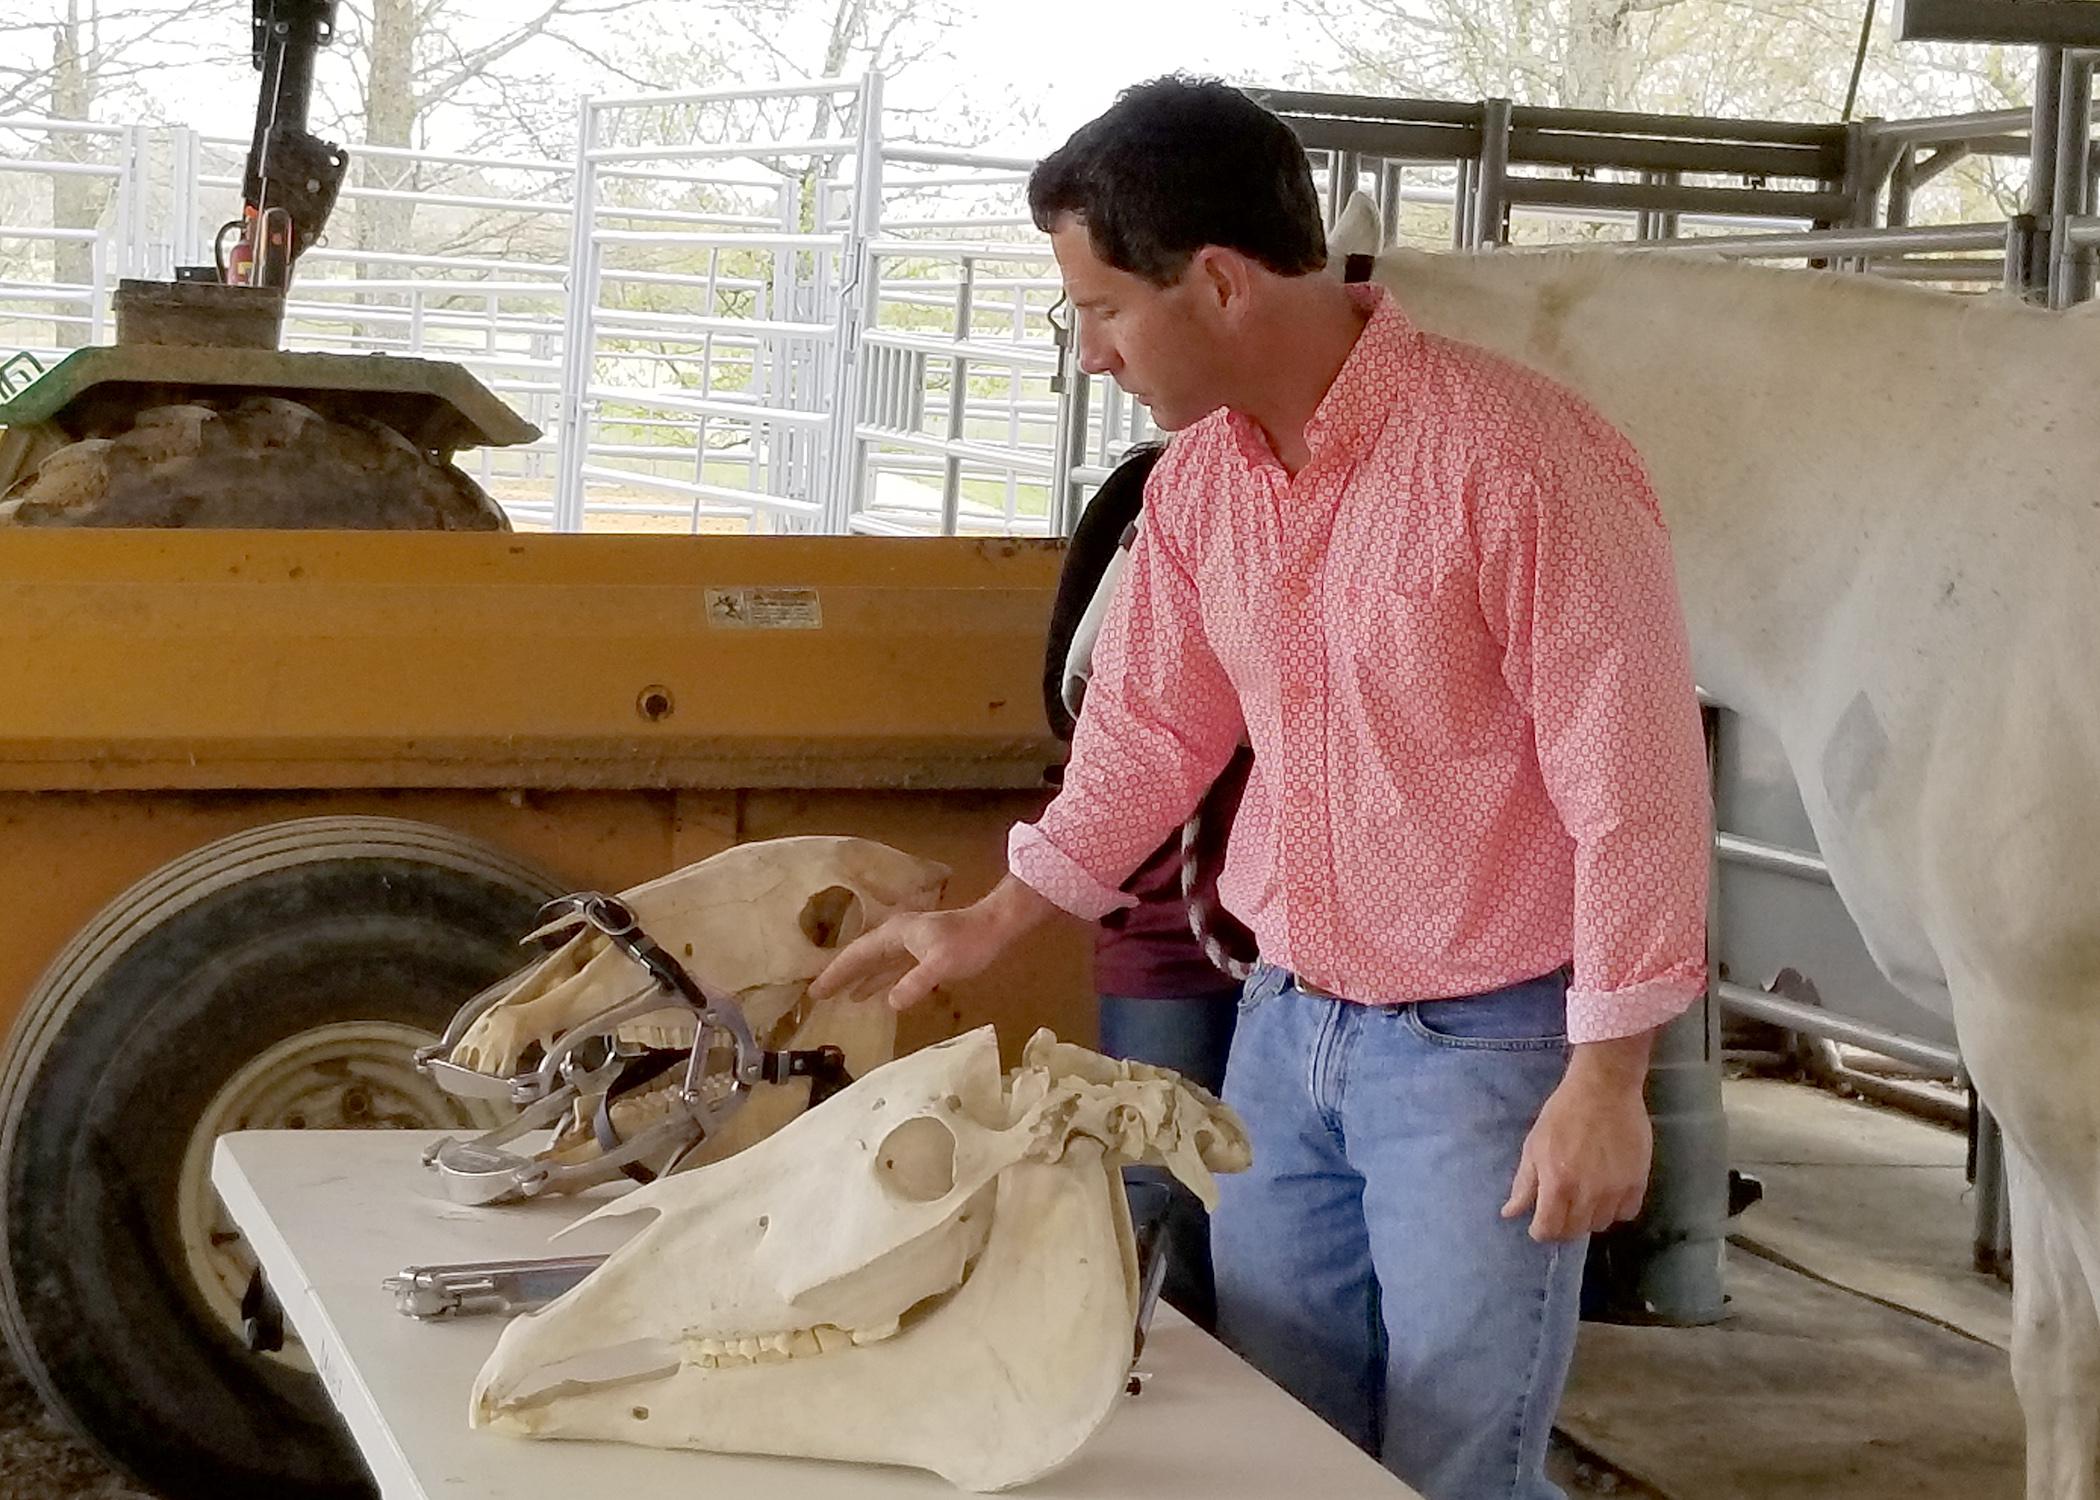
(1161, 344)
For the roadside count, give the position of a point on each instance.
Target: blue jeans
(1192, 1035)
(1363, 1264)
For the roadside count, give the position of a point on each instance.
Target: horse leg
(2056, 1339)
(2029, 1047)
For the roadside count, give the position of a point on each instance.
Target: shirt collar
(1364, 389)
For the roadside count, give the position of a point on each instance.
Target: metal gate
(714, 268)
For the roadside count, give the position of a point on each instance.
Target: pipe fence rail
(746, 309)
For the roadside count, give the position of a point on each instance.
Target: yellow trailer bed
(248, 778)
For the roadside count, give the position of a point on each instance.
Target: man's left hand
(1585, 1162)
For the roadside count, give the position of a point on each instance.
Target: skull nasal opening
(917, 1160)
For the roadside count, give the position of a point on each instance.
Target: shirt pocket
(1417, 668)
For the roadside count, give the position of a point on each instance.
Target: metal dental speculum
(588, 1062)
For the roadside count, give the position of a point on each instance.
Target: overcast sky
(1074, 67)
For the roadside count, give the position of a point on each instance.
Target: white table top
(330, 1214)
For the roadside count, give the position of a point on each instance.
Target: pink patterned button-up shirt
(1454, 644)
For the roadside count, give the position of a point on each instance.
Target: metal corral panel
(1775, 909)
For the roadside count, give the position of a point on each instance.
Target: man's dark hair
(1179, 163)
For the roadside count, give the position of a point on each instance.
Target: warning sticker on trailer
(765, 609)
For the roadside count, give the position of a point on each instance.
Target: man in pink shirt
(1433, 592)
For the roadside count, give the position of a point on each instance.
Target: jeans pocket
(1263, 985)
(1531, 1016)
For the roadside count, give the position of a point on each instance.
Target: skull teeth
(672, 1035)
(632, 1113)
(774, 1348)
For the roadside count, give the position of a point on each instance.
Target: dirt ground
(39, 1459)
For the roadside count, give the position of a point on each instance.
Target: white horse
(1885, 508)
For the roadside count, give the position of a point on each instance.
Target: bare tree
(86, 60)
(110, 49)
(1783, 58)
(1786, 59)
(1587, 54)
(411, 60)
(756, 41)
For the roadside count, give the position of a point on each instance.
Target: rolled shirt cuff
(1057, 877)
(1605, 1015)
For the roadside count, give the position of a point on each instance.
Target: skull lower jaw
(995, 1384)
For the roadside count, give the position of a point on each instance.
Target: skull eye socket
(917, 1160)
(831, 917)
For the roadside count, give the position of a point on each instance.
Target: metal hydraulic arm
(292, 177)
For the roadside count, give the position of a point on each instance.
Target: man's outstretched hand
(914, 953)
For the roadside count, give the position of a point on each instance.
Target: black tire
(123, 1050)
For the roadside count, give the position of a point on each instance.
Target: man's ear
(1224, 277)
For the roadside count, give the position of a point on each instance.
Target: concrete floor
(1861, 1356)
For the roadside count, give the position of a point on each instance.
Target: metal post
(1666, 220)
(2070, 265)
(183, 210)
(958, 398)
(1490, 202)
(1068, 440)
(135, 155)
(573, 427)
(1862, 179)
(710, 305)
(1017, 333)
(1665, 1266)
(98, 289)
(859, 308)
(2046, 132)
(1345, 171)
(1992, 1243)
(1657, 223)
(1392, 185)
(491, 344)
(1860, 186)
(2019, 252)
(1462, 205)
(1903, 181)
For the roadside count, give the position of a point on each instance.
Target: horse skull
(934, 1269)
(756, 922)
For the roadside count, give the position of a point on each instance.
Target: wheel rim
(351, 1075)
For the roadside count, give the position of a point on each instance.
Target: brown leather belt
(1305, 986)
